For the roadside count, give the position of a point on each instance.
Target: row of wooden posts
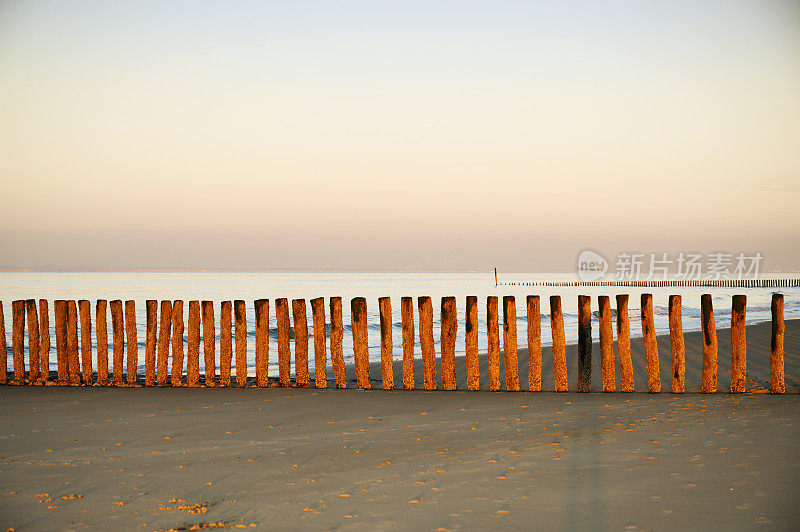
(732, 283)
(76, 370)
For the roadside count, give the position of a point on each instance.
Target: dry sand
(154, 459)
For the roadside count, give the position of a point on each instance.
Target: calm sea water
(218, 287)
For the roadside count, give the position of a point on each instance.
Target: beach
(288, 458)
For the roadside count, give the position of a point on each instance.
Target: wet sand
(155, 459)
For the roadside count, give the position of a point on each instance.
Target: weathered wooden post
(738, 344)
(471, 342)
(17, 339)
(117, 324)
(44, 334)
(300, 343)
(776, 345)
(511, 362)
(3, 348)
(407, 316)
(209, 344)
(449, 328)
(559, 345)
(225, 344)
(709, 345)
(337, 333)
(650, 345)
(164, 335)
(262, 341)
(102, 341)
(320, 348)
(72, 344)
(676, 344)
(358, 322)
(584, 344)
(534, 316)
(132, 341)
(85, 315)
(607, 366)
(193, 345)
(151, 306)
(426, 341)
(284, 332)
(493, 338)
(387, 371)
(624, 344)
(176, 376)
(33, 341)
(60, 311)
(240, 320)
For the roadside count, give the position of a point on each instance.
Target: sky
(396, 135)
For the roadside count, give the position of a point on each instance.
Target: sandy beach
(158, 459)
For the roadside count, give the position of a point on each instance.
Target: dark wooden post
(471, 343)
(559, 345)
(60, 310)
(132, 341)
(117, 330)
(240, 320)
(709, 345)
(164, 335)
(493, 338)
(85, 315)
(738, 344)
(407, 316)
(337, 333)
(607, 367)
(193, 345)
(510, 343)
(44, 333)
(72, 344)
(33, 340)
(284, 332)
(449, 328)
(676, 344)
(584, 344)
(624, 344)
(650, 345)
(176, 376)
(300, 343)
(150, 342)
(426, 341)
(387, 371)
(3, 348)
(776, 345)
(209, 344)
(225, 344)
(18, 339)
(358, 322)
(320, 347)
(262, 341)
(102, 342)
(534, 344)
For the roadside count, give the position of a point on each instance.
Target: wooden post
(3, 348)
(387, 370)
(102, 342)
(225, 344)
(426, 342)
(407, 315)
(33, 340)
(337, 332)
(624, 344)
(559, 345)
(320, 337)
(301, 374)
(449, 330)
(62, 360)
(72, 344)
(284, 352)
(176, 376)
(493, 337)
(163, 343)
(607, 367)
(738, 344)
(240, 319)
(471, 343)
(17, 339)
(132, 340)
(709, 345)
(584, 344)
(262, 341)
(85, 315)
(117, 326)
(510, 343)
(676, 344)
(44, 334)
(358, 322)
(534, 344)
(650, 345)
(150, 343)
(193, 345)
(209, 344)
(776, 345)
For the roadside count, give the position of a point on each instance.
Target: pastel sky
(396, 135)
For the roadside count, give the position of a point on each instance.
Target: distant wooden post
(33, 340)
(225, 343)
(559, 345)
(176, 375)
(117, 330)
(193, 345)
(262, 341)
(17, 339)
(209, 344)
(132, 341)
(426, 341)
(471, 341)
(300, 343)
(511, 362)
(284, 332)
(584, 344)
(709, 345)
(44, 333)
(85, 315)
(320, 337)
(150, 342)
(240, 320)
(358, 322)
(60, 311)
(493, 338)
(776, 345)
(676, 344)
(407, 316)
(449, 328)
(738, 344)
(72, 344)
(3, 348)
(624, 344)
(607, 366)
(387, 370)
(102, 342)
(650, 345)
(534, 316)
(337, 332)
